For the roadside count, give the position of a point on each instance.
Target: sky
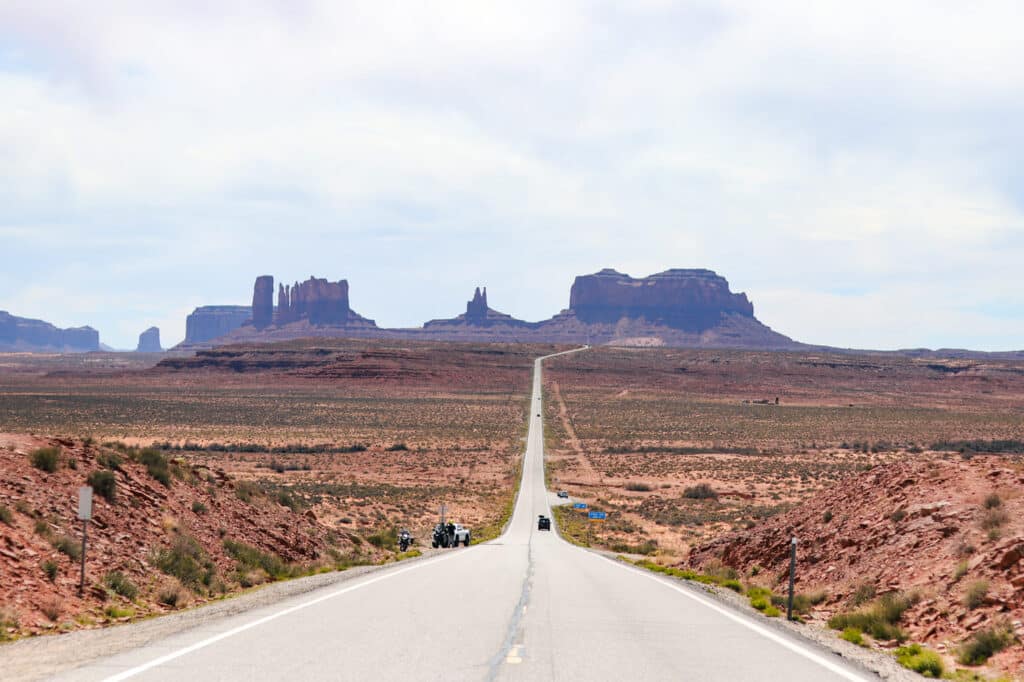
(855, 168)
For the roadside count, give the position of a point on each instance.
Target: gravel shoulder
(36, 658)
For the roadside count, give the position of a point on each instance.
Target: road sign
(597, 516)
(85, 503)
(579, 505)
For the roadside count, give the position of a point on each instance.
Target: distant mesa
(210, 322)
(478, 314)
(28, 335)
(149, 341)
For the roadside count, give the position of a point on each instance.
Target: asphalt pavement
(527, 606)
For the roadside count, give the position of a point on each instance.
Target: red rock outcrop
(478, 314)
(317, 300)
(922, 525)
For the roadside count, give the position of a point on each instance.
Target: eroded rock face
(149, 341)
(692, 300)
(478, 314)
(319, 301)
(24, 334)
(211, 321)
(263, 302)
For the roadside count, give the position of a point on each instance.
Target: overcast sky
(856, 168)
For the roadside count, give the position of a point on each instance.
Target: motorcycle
(442, 538)
(404, 540)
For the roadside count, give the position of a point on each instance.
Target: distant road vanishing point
(526, 606)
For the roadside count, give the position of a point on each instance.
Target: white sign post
(84, 515)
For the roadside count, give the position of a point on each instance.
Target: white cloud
(794, 148)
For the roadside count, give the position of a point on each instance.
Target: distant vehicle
(564, 494)
(543, 523)
(404, 540)
(450, 535)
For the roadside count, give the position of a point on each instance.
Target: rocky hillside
(167, 534)
(948, 531)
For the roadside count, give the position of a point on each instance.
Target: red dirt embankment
(934, 526)
(39, 512)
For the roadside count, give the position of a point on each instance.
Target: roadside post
(792, 577)
(84, 515)
(444, 510)
(593, 516)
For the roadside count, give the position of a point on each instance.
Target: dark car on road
(543, 523)
(563, 493)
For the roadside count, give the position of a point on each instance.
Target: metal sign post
(84, 514)
(792, 577)
(444, 509)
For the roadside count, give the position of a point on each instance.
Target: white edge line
(747, 623)
(132, 672)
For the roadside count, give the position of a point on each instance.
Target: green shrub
(171, 595)
(898, 515)
(186, 560)
(864, 593)
(852, 635)
(104, 483)
(976, 593)
(5, 515)
(701, 491)
(50, 568)
(157, 465)
(68, 545)
(114, 611)
(733, 584)
(43, 529)
(247, 490)
(386, 538)
(109, 460)
(46, 459)
(993, 519)
(198, 507)
(250, 558)
(992, 501)
(771, 612)
(827, 516)
(120, 584)
(961, 570)
(879, 620)
(8, 620)
(983, 644)
(398, 447)
(639, 487)
(920, 660)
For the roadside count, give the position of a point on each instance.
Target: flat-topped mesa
(683, 299)
(149, 341)
(208, 322)
(24, 334)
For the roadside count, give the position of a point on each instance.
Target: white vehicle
(461, 535)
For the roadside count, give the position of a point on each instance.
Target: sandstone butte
(149, 341)
(689, 308)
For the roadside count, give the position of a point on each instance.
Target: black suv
(543, 523)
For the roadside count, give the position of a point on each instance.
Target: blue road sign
(597, 516)
(579, 505)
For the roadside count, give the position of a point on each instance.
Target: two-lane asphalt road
(527, 606)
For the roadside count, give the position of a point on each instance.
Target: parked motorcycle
(441, 536)
(404, 540)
